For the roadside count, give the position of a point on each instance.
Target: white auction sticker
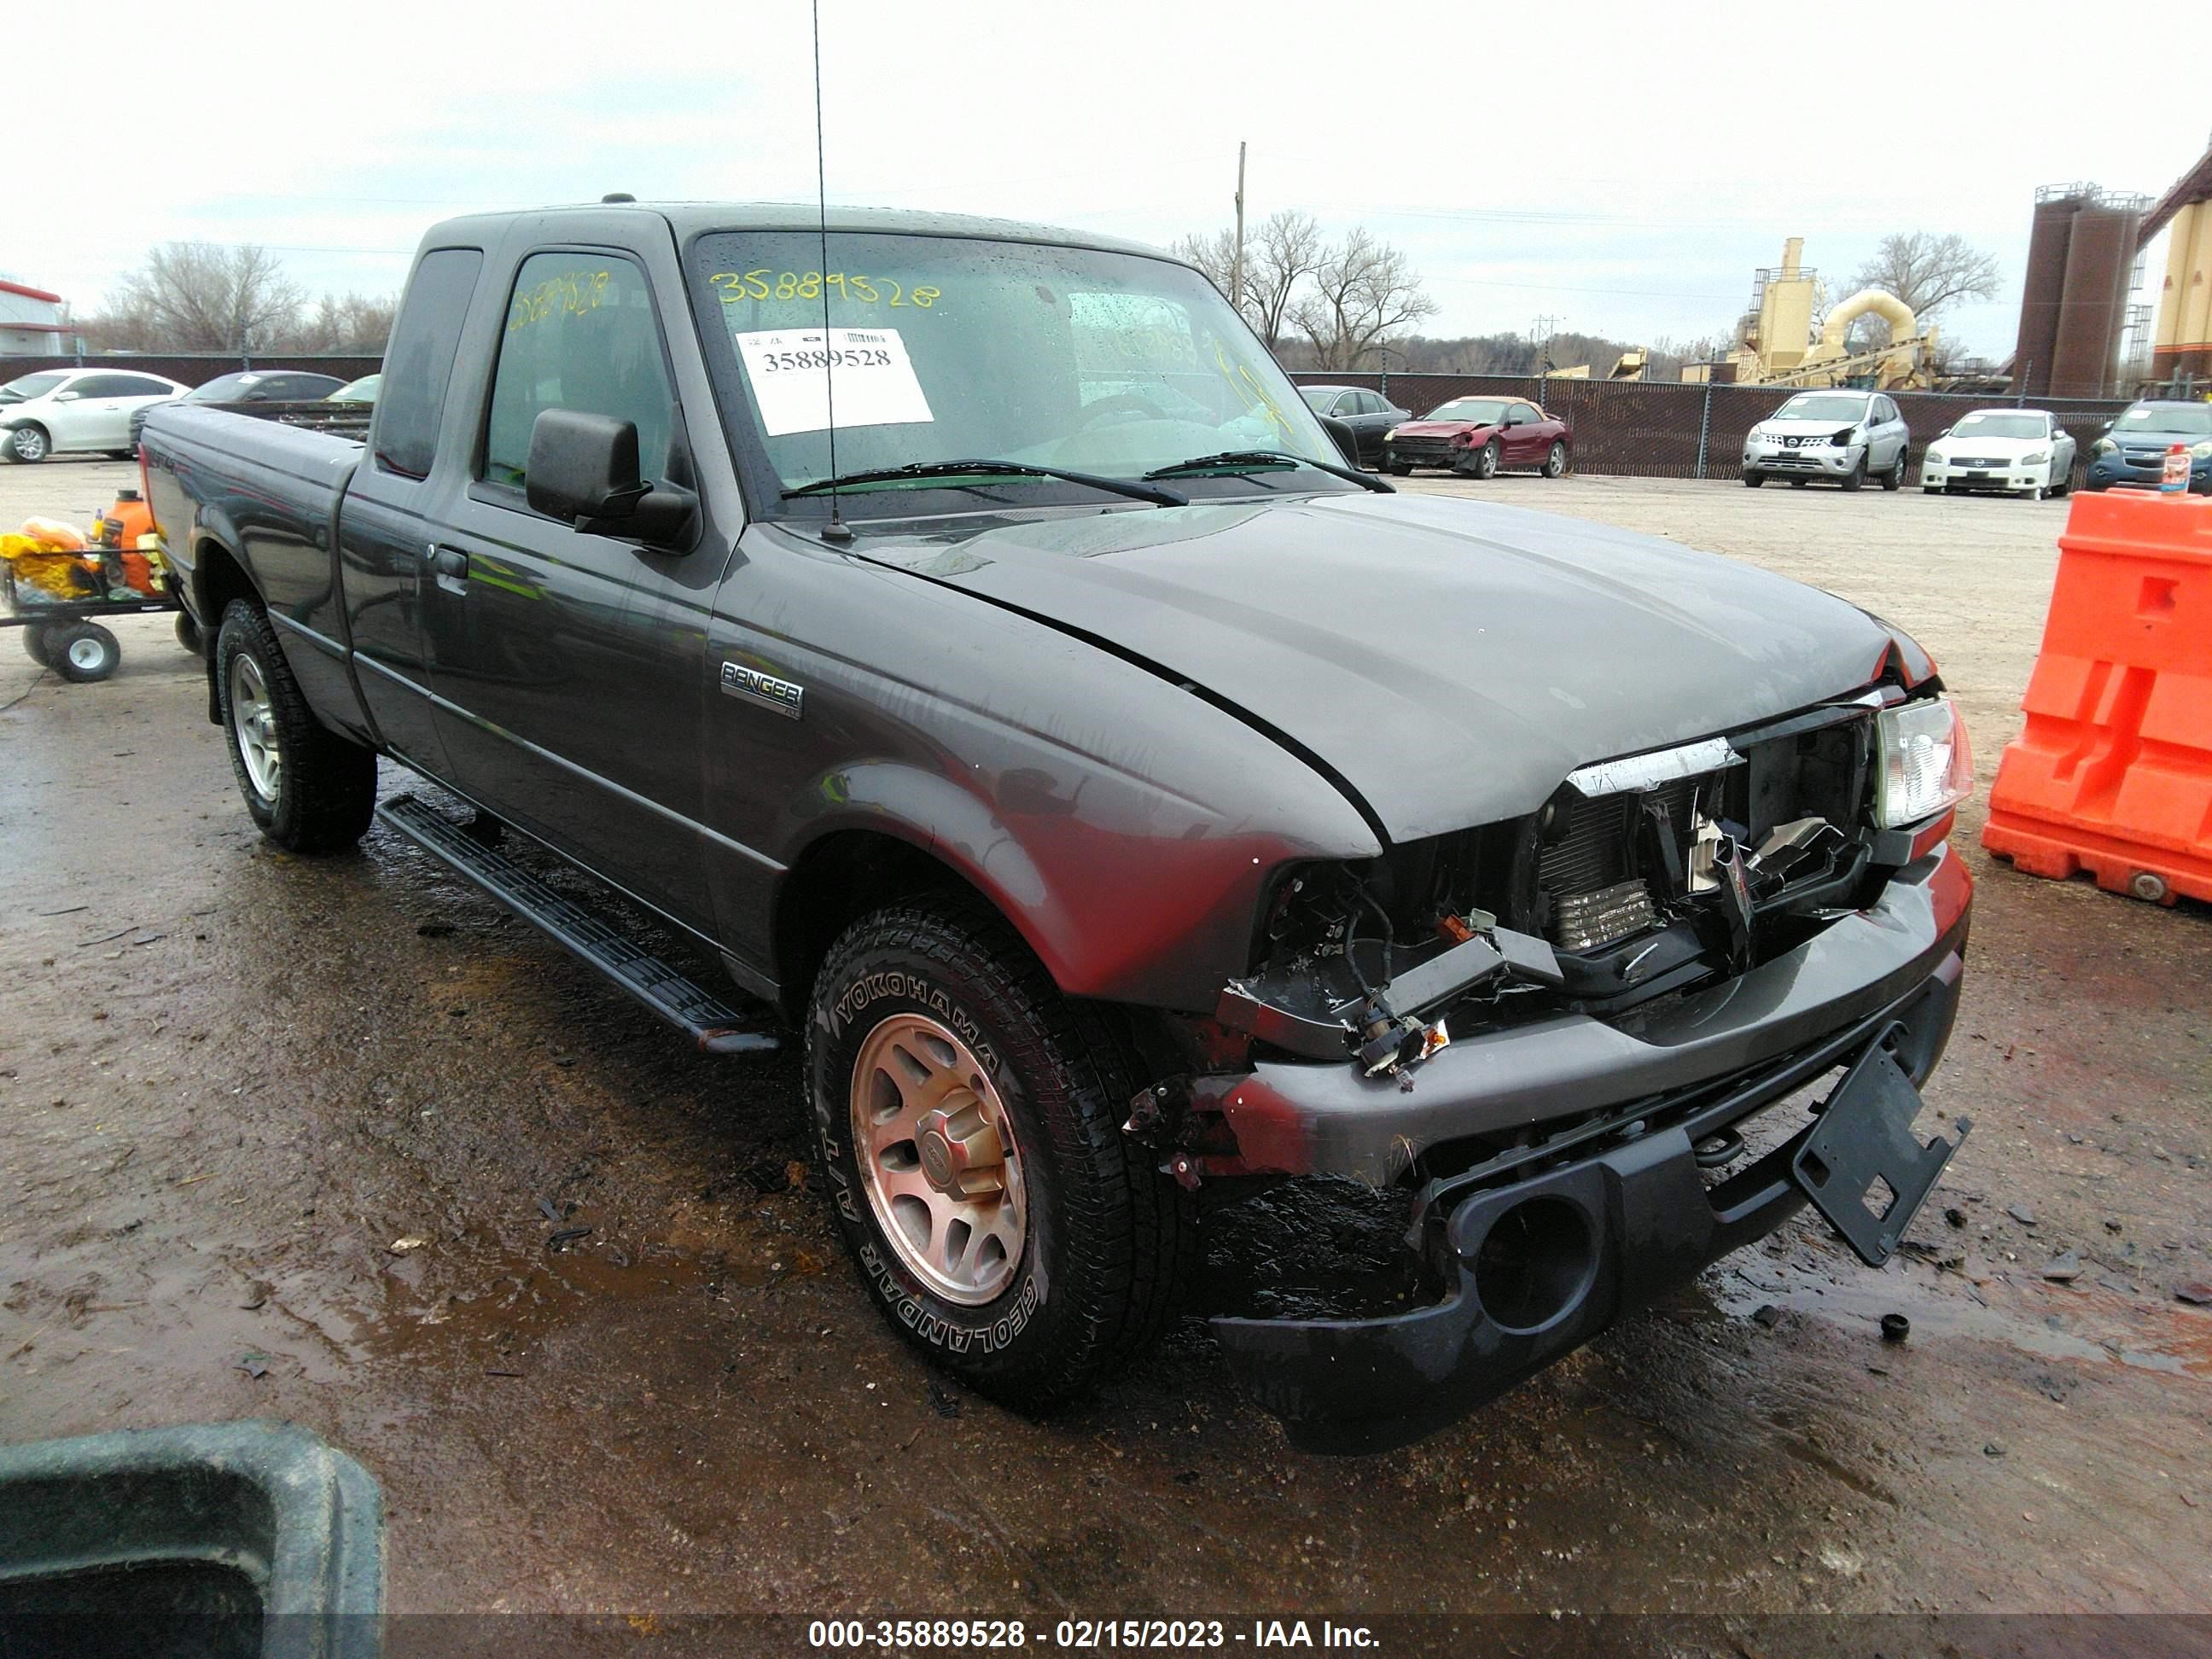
(791, 370)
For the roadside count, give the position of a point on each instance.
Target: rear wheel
(81, 651)
(310, 790)
(1555, 463)
(968, 1122)
(1894, 478)
(35, 644)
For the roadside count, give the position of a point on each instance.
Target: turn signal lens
(1927, 764)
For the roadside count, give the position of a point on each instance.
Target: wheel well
(218, 578)
(839, 879)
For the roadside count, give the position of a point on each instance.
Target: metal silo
(2045, 286)
(2099, 253)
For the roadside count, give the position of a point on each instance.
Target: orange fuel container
(125, 523)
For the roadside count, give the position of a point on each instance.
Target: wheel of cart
(81, 651)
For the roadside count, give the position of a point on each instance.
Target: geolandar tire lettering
(966, 1131)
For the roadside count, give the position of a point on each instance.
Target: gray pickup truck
(965, 634)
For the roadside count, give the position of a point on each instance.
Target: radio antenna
(837, 530)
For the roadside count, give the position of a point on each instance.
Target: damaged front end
(1546, 1039)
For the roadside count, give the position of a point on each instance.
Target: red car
(1479, 436)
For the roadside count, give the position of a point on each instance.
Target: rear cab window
(420, 361)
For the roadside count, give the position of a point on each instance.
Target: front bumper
(1823, 461)
(1628, 1181)
(2007, 476)
(2115, 471)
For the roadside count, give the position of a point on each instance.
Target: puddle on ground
(2089, 1324)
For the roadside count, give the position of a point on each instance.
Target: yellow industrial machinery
(1779, 347)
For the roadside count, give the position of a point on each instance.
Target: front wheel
(310, 790)
(1401, 470)
(1555, 463)
(28, 444)
(1856, 478)
(1752, 480)
(35, 644)
(1483, 464)
(83, 652)
(968, 1124)
(189, 634)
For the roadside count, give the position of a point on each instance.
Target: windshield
(222, 386)
(362, 391)
(2000, 426)
(2194, 419)
(27, 386)
(1828, 408)
(948, 349)
(1485, 411)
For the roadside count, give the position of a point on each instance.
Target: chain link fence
(1693, 429)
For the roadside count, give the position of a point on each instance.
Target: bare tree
(1362, 292)
(200, 296)
(1280, 253)
(1929, 272)
(352, 324)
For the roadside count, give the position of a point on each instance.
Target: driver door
(570, 668)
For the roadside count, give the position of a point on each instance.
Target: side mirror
(1347, 440)
(1945, 433)
(67, 397)
(583, 470)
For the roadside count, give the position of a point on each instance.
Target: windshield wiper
(970, 468)
(1229, 459)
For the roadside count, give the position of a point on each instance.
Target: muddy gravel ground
(231, 1081)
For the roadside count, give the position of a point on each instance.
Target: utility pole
(1542, 332)
(1237, 274)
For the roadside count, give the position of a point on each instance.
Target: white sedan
(2022, 451)
(56, 410)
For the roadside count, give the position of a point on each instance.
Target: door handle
(445, 561)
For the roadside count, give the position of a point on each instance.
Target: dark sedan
(259, 386)
(1369, 414)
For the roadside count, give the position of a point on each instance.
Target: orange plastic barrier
(2113, 773)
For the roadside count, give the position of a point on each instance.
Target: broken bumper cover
(1312, 1117)
(1607, 1228)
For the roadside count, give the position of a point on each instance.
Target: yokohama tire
(1106, 1243)
(322, 786)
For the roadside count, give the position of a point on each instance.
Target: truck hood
(1450, 661)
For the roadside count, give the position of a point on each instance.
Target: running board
(716, 1027)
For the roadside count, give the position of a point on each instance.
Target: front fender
(1117, 904)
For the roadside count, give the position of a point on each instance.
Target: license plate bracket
(1864, 1137)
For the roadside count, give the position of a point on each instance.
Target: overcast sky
(1622, 168)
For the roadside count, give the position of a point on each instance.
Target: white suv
(57, 411)
(1846, 436)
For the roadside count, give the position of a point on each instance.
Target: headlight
(2201, 451)
(1935, 458)
(1390, 435)
(1927, 764)
(2104, 447)
(2037, 459)
(1846, 438)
